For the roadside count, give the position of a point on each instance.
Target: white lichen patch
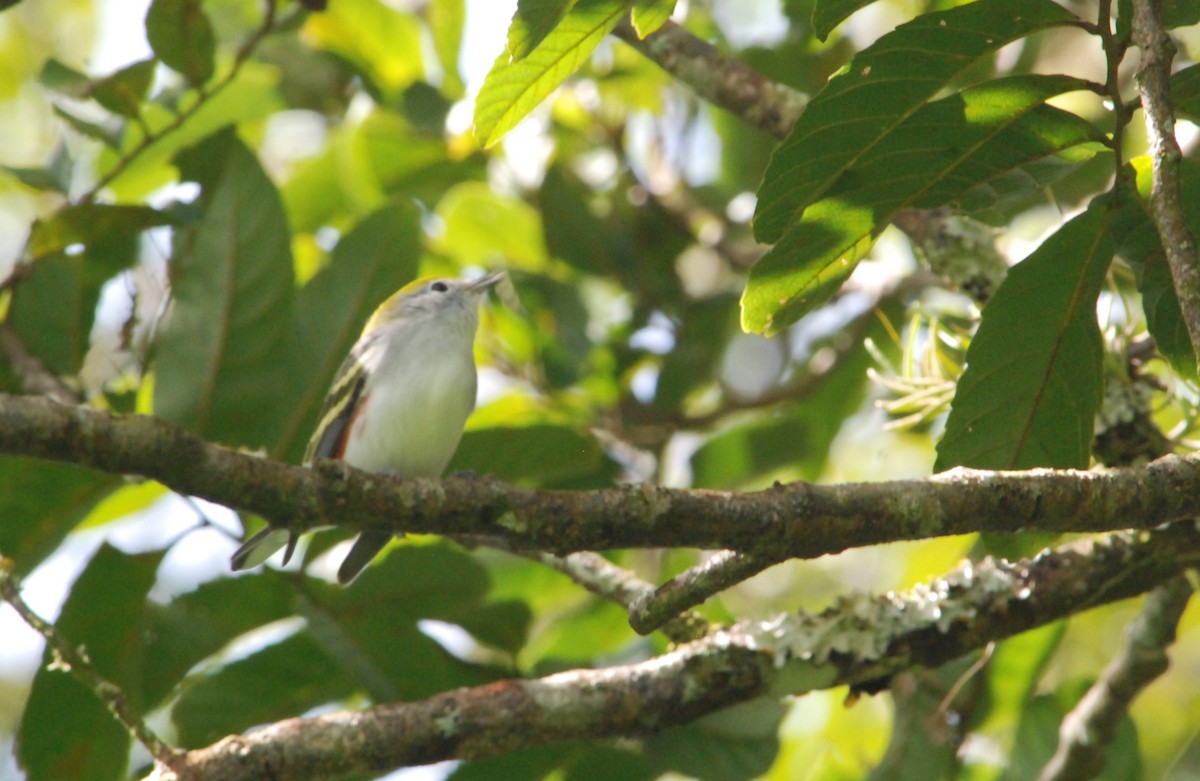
(864, 626)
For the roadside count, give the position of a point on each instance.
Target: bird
(398, 403)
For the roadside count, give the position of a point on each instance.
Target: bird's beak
(485, 282)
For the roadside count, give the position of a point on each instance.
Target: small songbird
(399, 401)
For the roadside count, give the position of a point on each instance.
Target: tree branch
(1166, 205)
(798, 520)
(718, 78)
(1087, 732)
(859, 641)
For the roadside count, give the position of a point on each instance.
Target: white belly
(408, 427)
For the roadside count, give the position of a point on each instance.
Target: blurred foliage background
(196, 224)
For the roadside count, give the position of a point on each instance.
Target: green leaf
(109, 133)
(1185, 91)
(382, 43)
(972, 145)
(532, 22)
(252, 95)
(280, 681)
(736, 743)
(65, 731)
(481, 226)
(447, 18)
(195, 625)
(881, 88)
(1034, 378)
(60, 77)
(376, 258)
(219, 367)
(91, 224)
(649, 15)
(182, 37)
(123, 92)
(537, 455)
(1140, 245)
(54, 307)
(799, 436)
(41, 503)
(513, 88)
(828, 14)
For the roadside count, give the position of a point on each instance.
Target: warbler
(398, 403)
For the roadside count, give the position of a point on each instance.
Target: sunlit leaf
(482, 226)
(513, 88)
(382, 43)
(532, 22)
(649, 15)
(1033, 380)
(447, 19)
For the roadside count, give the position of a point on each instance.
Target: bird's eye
(439, 286)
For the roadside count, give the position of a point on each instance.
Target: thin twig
(607, 580)
(1087, 732)
(74, 659)
(36, 378)
(1166, 205)
(205, 95)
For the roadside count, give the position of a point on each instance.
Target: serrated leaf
(182, 37)
(1034, 376)
(953, 148)
(828, 14)
(649, 15)
(219, 366)
(514, 88)
(376, 258)
(123, 92)
(880, 88)
(65, 731)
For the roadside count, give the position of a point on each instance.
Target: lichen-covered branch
(858, 641)
(1166, 203)
(794, 520)
(1087, 732)
(720, 79)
